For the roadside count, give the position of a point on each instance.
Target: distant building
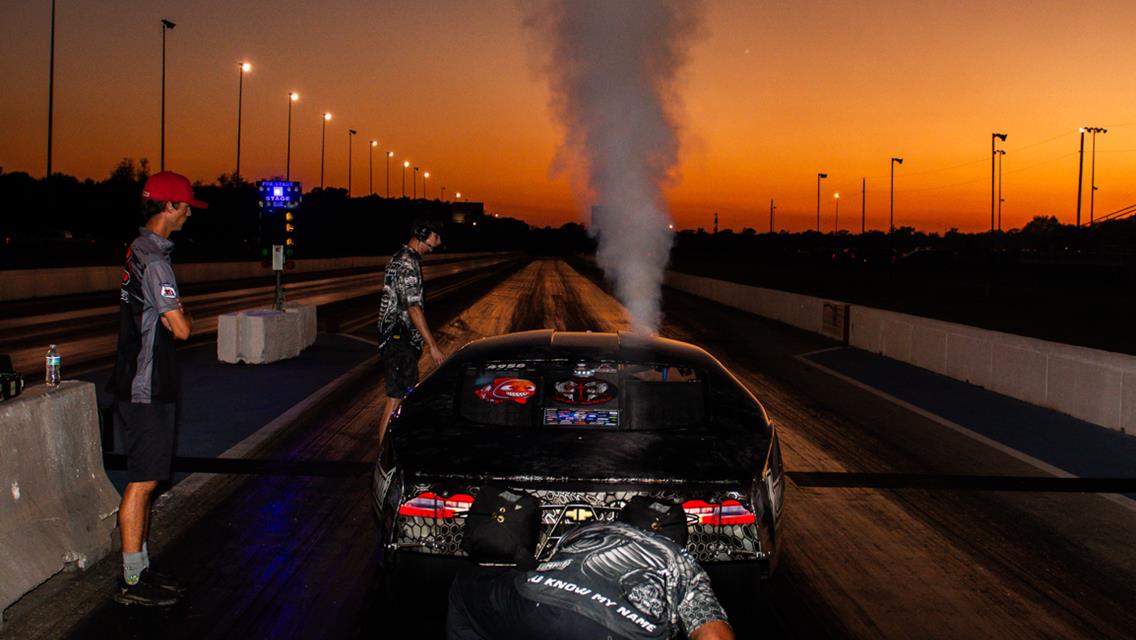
(463, 211)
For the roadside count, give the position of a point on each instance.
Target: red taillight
(432, 505)
(727, 512)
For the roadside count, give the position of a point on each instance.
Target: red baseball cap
(171, 186)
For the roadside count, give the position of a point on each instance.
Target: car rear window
(565, 394)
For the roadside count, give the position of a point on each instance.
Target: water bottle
(51, 377)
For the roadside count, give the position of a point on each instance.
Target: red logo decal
(584, 391)
(504, 390)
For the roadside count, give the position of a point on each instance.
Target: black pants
(149, 434)
(400, 360)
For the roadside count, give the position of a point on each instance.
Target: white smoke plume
(613, 67)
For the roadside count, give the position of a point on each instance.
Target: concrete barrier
(57, 507)
(261, 336)
(1093, 385)
(23, 284)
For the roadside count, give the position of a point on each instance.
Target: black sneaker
(164, 581)
(144, 593)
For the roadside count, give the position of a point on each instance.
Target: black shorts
(149, 434)
(401, 363)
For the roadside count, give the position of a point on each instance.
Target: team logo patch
(503, 390)
(168, 291)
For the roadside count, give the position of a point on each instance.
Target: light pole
(443, 193)
(371, 168)
(414, 187)
(425, 175)
(863, 203)
(891, 205)
(1000, 153)
(1080, 174)
(836, 219)
(994, 137)
(292, 97)
(405, 164)
(820, 176)
(244, 67)
(390, 154)
(323, 144)
(350, 134)
(771, 208)
(51, 91)
(1093, 170)
(166, 26)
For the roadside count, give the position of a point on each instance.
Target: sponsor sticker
(503, 390)
(168, 291)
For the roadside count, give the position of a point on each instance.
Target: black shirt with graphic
(402, 289)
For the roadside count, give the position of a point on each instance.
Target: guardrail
(1093, 385)
(24, 284)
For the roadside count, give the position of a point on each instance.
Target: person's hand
(436, 355)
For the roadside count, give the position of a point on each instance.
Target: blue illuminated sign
(279, 194)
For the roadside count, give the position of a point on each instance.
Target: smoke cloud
(613, 68)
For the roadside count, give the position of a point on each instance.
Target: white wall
(23, 284)
(1090, 384)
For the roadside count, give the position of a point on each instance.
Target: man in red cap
(145, 379)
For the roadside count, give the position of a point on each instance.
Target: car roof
(547, 343)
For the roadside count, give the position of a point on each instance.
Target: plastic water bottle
(53, 361)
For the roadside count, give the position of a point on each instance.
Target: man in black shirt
(402, 323)
(145, 379)
(625, 580)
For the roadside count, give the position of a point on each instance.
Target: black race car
(583, 421)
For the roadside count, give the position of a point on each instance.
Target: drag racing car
(584, 422)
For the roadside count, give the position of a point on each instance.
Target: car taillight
(726, 512)
(432, 505)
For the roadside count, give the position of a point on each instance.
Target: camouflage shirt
(634, 583)
(402, 289)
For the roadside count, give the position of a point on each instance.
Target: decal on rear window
(581, 417)
(503, 390)
(582, 391)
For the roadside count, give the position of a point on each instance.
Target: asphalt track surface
(291, 555)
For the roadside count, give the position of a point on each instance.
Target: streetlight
(424, 176)
(244, 68)
(390, 154)
(820, 176)
(323, 143)
(458, 195)
(292, 97)
(371, 167)
(1000, 153)
(771, 209)
(443, 193)
(166, 26)
(836, 219)
(994, 137)
(1093, 170)
(350, 134)
(414, 187)
(891, 206)
(405, 164)
(51, 91)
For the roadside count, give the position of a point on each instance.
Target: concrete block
(267, 336)
(1095, 393)
(896, 338)
(1128, 403)
(1018, 372)
(929, 348)
(228, 338)
(307, 322)
(57, 507)
(866, 329)
(968, 359)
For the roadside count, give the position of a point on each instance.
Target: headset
(422, 231)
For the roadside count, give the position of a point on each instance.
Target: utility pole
(1093, 172)
(863, 202)
(771, 208)
(993, 139)
(715, 223)
(51, 91)
(1080, 174)
(820, 176)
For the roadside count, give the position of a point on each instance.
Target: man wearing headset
(402, 324)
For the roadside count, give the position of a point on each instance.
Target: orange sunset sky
(773, 93)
